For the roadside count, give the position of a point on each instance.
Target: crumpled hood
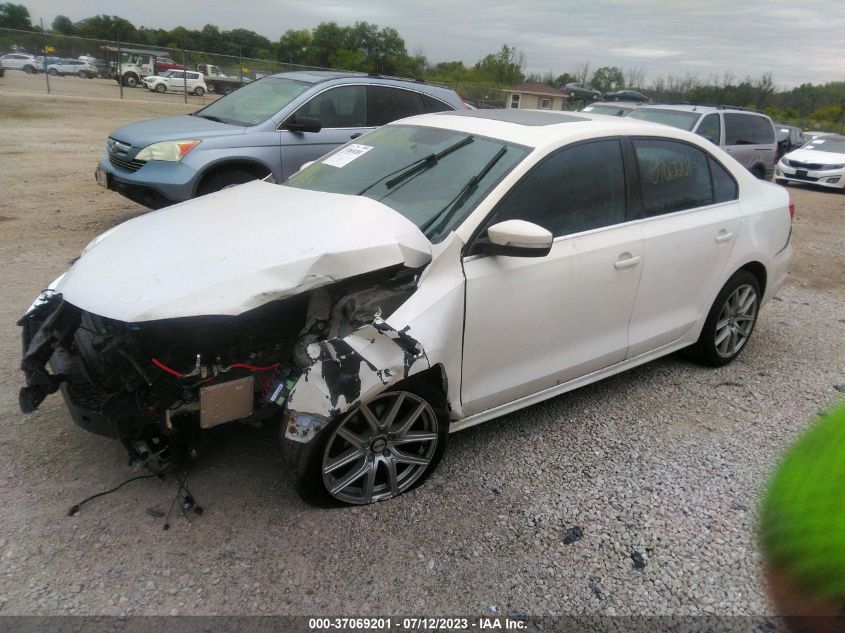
(172, 128)
(816, 156)
(235, 250)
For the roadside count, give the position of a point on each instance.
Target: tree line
(369, 48)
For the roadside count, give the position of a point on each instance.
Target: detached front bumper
(156, 184)
(833, 179)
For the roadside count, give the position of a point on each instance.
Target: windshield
(255, 102)
(433, 177)
(607, 109)
(675, 118)
(827, 144)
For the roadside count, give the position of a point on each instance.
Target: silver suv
(746, 135)
(270, 126)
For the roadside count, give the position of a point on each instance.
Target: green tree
(295, 47)
(15, 16)
(608, 78)
(63, 25)
(106, 27)
(503, 68)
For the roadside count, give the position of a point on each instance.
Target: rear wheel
(730, 322)
(374, 452)
(198, 91)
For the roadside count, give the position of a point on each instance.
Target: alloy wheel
(736, 321)
(380, 449)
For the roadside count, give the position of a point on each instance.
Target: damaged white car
(433, 274)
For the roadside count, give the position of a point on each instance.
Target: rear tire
(199, 91)
(730, 322)
(385, 457)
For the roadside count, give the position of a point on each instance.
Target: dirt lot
(666, 461)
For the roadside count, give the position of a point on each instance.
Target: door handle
(723, 236)
(356, 135)
(626, 260)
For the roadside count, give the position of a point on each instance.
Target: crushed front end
(157, 384)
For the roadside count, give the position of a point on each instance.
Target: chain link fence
(76, 66)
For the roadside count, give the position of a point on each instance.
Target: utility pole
(119, 69)
(44, 53)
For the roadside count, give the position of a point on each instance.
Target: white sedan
(77, 67)
(430, 275)
(821, 162)
(177, 81)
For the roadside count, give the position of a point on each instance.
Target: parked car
(361, 302)
(788, 137)
(626, 95)
(270, 126)
(746, 135)
(71, 67)
(614, 109)
(22, 61)
(177, 81)
(820, 162)
(581, 91)
(811, 136)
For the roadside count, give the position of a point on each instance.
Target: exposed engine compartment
(153, 383)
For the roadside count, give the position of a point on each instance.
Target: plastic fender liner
(347, 371)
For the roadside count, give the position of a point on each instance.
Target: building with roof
(534, 96)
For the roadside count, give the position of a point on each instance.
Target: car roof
(539, 128)
(695, 108)
(321, 76)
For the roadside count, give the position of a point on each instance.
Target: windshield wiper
(417, 166)
(456, 202)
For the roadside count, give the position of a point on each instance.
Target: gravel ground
(637, 495)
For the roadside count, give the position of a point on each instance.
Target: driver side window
(710, 128)
(342, 107)
(577, 189)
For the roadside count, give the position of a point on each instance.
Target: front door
(342, 113)
(533, 323)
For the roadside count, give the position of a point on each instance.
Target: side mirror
(516, 238)
(294, 124)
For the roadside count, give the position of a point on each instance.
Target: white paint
(237, 249)
(346, 155)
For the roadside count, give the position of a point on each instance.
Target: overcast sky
(796, 40)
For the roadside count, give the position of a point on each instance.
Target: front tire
(374, 452)
(730, 322)
(53, 72)
(161, 88)
(222, 179)
(29, 70)
(130, 81)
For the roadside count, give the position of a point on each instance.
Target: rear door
(691, 216)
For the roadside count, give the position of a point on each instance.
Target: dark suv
(270, 126)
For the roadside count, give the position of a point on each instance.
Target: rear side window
(762, 130)
(389, 104)
(574, 190)
(724, 186)
(747, 129)
(435, 105)
(673, 176)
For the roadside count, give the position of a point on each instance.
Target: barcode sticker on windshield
(347, 155)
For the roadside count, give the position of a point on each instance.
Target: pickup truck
(141, 65)
(218, 82)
